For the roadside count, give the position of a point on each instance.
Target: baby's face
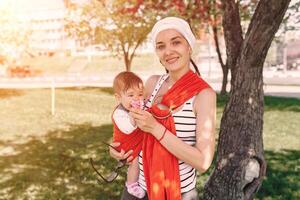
(133, 97)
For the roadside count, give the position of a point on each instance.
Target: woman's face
(173, 50)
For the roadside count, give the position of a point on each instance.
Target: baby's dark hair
(125, 80)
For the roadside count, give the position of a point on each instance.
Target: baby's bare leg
(133, 171)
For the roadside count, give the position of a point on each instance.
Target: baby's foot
(135, 190)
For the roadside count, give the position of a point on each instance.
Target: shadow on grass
(283, 176)
(58, 167)
(271, 103)
(222, 100)
(282, 181)
(7, 93)
(107, 90)
(282, 103)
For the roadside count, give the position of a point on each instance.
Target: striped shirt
(185, 124)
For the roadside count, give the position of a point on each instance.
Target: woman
(179, 124)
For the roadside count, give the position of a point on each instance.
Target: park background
(45, 154)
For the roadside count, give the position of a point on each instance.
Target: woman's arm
(199, 156)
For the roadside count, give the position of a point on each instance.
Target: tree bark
(225, 71)
(240, 165)
(223, 66)
(127, 60)
(232, 33)
(128, 57)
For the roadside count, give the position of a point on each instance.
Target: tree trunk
(223, 66)
(128, 57)
(224, 80)
(128, 64)
(127, 61)
(240, 165)
(233, 34)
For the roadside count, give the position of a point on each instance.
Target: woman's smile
(173, 51)
(171, 60)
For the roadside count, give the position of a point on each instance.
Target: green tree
(121, 26)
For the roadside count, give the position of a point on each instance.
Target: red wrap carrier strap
(132, 141)
(160, 167)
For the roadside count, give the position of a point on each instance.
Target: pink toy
(137, 104)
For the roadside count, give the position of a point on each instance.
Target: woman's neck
(175, 76)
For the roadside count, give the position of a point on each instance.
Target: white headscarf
(176, 23)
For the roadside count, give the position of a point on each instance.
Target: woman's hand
(120, 155)
(144, 120)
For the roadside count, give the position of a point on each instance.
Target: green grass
(49, 65)
(282, 181)
(47, 157)
(147, 63)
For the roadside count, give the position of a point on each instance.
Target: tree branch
(215, 33)
(232, 33)
(262, 29)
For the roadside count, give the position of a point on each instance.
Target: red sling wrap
(132, 141)
(160, 167)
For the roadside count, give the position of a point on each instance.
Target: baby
(128, 89)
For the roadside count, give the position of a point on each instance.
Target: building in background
(45, 21)
(41, 21)
(48, 35)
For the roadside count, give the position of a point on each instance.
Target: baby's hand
(137, 104)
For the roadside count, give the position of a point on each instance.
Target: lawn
(57, 65)
(47, 157)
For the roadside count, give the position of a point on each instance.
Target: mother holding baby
(179, 122)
